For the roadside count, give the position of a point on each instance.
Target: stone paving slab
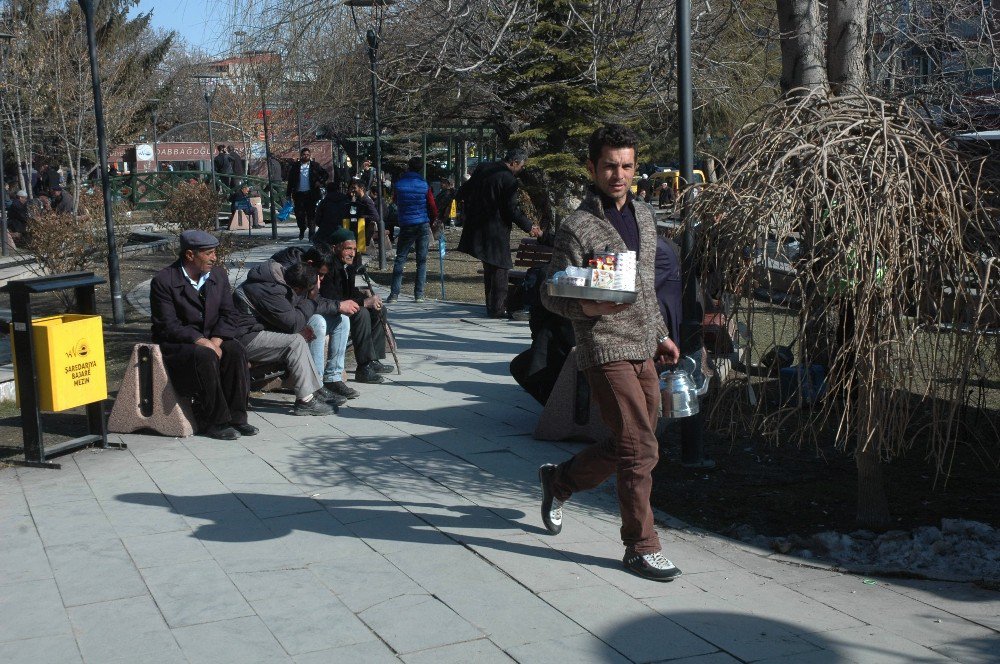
(406, 529)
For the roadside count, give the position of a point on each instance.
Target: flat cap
(195, 239)
(342, 235)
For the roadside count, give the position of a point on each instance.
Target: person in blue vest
(415, 209)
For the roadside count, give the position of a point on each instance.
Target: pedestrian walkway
(406, 528)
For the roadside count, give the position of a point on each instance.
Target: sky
(199, 22)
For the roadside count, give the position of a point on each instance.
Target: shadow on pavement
(386, 520)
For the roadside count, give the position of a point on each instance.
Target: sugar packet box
(602, 279)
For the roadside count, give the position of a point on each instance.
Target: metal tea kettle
(678, 390)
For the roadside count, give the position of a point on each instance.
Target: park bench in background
(529, 254)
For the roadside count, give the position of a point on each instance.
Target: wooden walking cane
(390, 338)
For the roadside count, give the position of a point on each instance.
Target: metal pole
(117, 306)
(423, 154)
(357, 144)
(298, 124)
(692, 342)
(3, 176)
(373, 58)
(267, 159)
(211, 141)
(156, 140)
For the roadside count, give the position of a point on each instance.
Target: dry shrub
(889, 250)
(193, 206)
(64, 243)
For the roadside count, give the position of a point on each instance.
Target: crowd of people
(300, 308)
(48, 187)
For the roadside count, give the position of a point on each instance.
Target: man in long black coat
(304, 181)
(199, 332)
(491, 209)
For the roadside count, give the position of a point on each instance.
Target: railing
(148, 191)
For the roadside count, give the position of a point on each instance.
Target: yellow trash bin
(357, 224)
(69, 359)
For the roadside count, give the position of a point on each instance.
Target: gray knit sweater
(632, 333)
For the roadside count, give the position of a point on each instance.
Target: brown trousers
(628, 395)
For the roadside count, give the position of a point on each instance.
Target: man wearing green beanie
(367, 332)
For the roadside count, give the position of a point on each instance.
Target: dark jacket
(65, 204)
(273, 302)
(17, 217)
(330, 213)
(317, 177)
(489, 199)
(368, 209)
(223, 164)
(340, 283)
(274, 169)
(443, 200)
(179, 315)
(668, 285)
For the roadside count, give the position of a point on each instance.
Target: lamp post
(372, 38)
(156, 157)
(209, 84)
(5, 38)
(357, 144)
(692, 339)
(114, 276)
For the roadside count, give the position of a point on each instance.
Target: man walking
(223, 165)
(304, 180)
(616, 344)
(415, 209)
(491, 210)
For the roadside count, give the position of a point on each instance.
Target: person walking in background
(490, 203)
(239, 165)
(616, 344)
(223, 165)
(304, 181)
(415, 208)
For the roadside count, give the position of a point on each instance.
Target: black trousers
(220, 387)
(495, 281)
(367, 335)
(305, 210)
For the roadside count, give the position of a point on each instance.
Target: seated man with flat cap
(367, 332)
(197, 327)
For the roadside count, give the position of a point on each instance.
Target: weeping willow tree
(893, 279)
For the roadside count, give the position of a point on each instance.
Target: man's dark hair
(611, 136)
(415, 164)
(519, 155)
(318, 254)
(300, 275)
(220, 146)
(304, 150)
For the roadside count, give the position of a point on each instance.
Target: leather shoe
(246, 429)
(330, 396)
(342, 388)
(367, 374)
(222, 432)
(381, 368)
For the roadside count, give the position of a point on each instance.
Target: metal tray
(590, 293)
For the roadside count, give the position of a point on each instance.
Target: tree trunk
(801, 45)
(873, 506)
(846, 45)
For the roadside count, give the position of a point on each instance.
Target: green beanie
(342, 235)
